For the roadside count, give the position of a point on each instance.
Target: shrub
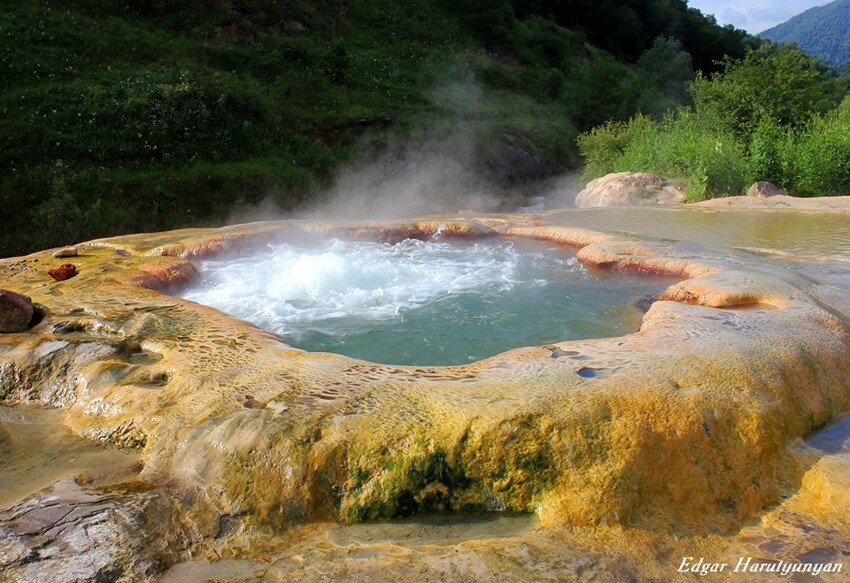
(778, 82)
(768, 153)
(758, 120)
(820, 157)
(683, 146)
(604, 147)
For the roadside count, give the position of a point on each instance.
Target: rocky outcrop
(508, 161)
(765, 190)
(630, 189)
(70, 533)
(16, 312)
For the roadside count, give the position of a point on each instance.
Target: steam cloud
(436, 172)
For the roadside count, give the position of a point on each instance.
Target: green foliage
(682, 147)
(605, 146)
(822, 31)
(777, 82)
(758, 120)
(627, 29)
(768, 149)
(131, 115)
(667, 70)
(818, 159)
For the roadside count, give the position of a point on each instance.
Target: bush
(604, 147)
(778, 82)
(683, 147)
(768, 154)
(758, 120)
(819, 159)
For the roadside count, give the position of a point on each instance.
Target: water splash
(420, 302)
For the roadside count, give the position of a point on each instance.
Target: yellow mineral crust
(688, 425)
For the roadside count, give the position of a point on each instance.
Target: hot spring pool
(422, 302)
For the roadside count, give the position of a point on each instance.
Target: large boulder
(765, 190)
(15, 312)
(630, 189)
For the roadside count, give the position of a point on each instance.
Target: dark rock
(293, 27)
(509, 161)
(16, 312)
(63, 272)
(643, 304)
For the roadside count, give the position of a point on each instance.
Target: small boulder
(765, 190)
(630, 189)
(63, 272)
(65, 252)
(16, 312)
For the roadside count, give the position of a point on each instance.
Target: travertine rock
(630, 189)
(765, 190)
(65, 252)
(688, 424)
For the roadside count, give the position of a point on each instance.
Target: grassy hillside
(139, 115)
(822, 31)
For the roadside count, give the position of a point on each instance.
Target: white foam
(284, 287)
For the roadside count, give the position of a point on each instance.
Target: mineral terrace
(623, 454)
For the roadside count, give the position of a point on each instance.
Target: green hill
(121, 116)
(823, 32)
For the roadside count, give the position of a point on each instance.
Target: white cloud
(754, 15)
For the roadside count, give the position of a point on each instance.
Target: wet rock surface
(16, 312)
(780, 201)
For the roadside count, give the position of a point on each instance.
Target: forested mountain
(132, 115)
(822, 31)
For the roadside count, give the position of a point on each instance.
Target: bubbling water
(421, 302)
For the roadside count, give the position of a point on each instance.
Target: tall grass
(817, 160)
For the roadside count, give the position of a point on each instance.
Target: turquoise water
(422, 302)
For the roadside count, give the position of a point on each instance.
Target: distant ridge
(823, 32)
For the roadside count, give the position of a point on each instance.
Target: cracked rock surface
(69, 533)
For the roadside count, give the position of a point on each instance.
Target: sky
(754, 15)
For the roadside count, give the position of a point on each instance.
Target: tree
(776, 82)
(667, 70)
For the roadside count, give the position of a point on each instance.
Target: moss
(418, 479)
